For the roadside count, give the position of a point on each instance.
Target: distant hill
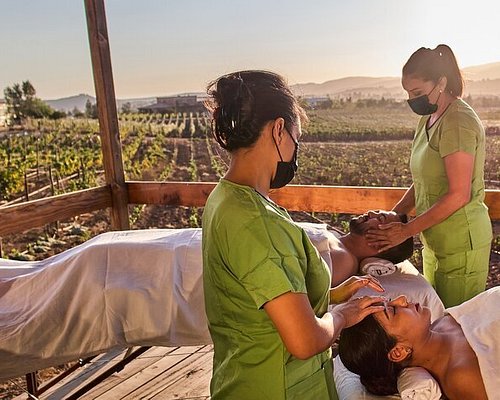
(357, 86)
(69, 103)
(481, 80)
(79, 101)
(483, 72)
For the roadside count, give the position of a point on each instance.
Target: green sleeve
(263, 257)
(459, 136)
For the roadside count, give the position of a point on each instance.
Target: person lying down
(461, 349)
(123, 289)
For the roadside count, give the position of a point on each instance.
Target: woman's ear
(399, 353)
(443, 82)
(278, 126)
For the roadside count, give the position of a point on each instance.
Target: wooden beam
(106, 106)
(190, 194)
(337, 199)
(21, 217)
(355, 199)
(334, 199)
(340, 199)
(345, 199)
(492, 200)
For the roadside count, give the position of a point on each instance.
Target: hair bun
(242, 102)
(380, 385)
(229, 90)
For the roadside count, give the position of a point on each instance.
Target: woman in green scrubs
(447, 165)
(267, 289)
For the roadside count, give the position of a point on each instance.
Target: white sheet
(480, 322)
(116, 290)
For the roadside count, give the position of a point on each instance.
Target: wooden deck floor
(159, 373)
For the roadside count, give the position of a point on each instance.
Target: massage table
(131, 288)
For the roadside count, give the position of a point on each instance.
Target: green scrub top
(252, 253)
(458, 129)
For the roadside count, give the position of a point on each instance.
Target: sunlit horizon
(161, 48)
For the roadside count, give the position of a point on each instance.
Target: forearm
(329, 328)
(441, 210)
(407, 203)
(459, 167)
(320, 337)
(303, 333)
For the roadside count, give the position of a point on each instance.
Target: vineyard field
(348, 147)
(362, 147)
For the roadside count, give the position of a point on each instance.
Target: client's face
(403, 319)
(359, 225)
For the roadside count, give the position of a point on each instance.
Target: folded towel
(416, 383)
(376, 267)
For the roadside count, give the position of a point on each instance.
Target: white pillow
(376, 267)
(416, 383)
(349, 387)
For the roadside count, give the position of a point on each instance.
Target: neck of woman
(435, 352)
(247, 169)
(443, 103)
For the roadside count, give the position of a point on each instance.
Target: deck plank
(142, 362)
(182, 373)
(142, 382)
(191, 384)
(159, 373)
(80, 377)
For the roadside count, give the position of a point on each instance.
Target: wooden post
(32, 384)
(26, 189)
(106, 107)
(51, 179)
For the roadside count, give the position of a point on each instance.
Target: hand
(346, 289)
(353, 311)
(383, 215)
(387, 235)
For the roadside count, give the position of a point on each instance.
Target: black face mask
(420, 105)
(285, 171)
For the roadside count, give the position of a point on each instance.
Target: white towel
(479, 318)
(416, 383)
(376, 267)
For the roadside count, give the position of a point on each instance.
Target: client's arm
(346, 289)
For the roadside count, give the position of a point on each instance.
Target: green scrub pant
(457, 277)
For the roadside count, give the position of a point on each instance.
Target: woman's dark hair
(242, 102)
(363, 349)
(432, 64)
(398, 253)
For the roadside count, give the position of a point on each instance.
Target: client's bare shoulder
(462, 376)
(464, 381)
(341, 256)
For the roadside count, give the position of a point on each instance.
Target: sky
(161, 47)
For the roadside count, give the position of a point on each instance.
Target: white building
(3, 113)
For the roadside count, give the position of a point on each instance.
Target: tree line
(22, 103)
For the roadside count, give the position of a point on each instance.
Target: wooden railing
(334, 199)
